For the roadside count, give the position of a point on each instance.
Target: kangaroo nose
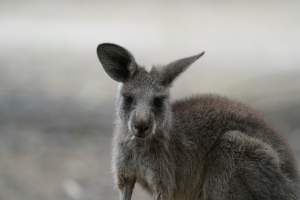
(141, 127)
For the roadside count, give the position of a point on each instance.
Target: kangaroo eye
(158, 101)
(128, 99)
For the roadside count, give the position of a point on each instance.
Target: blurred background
(56, 102)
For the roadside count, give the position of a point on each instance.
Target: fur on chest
(147, 164)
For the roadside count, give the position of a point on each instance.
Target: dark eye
(128, 99)
(158, 102)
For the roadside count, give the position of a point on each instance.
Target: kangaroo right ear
(171, 71)
(117, 62)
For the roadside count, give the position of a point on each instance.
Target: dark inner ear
(117, 62)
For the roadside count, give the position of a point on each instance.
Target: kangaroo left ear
(117, 61)
(171, 71)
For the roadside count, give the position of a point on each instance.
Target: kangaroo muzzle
(142, 124)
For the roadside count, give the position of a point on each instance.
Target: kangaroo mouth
(141, 134)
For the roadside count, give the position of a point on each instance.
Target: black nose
(141, 127)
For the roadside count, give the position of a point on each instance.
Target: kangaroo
(204, 147)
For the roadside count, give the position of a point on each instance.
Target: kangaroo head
(143, 99)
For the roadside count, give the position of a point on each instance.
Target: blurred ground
(56, 103)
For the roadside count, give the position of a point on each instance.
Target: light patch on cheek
(154, 128)
(129, 124)
(154, 125)
(131, 136)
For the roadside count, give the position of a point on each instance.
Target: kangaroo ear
(117, 62)
(169, 72)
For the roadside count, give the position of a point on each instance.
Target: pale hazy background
(56, 102)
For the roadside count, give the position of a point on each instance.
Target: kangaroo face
(143, 99)
(144, 104)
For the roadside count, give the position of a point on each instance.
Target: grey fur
(204, 147)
